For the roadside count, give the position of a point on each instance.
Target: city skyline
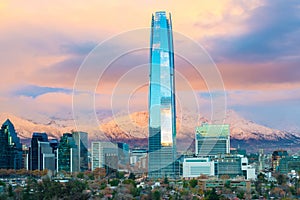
(254, 45)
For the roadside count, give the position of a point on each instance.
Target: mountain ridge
(133, 129)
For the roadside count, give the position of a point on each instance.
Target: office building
(162, 117)
(81, 140)
(136, 155)
(54, 145)
(67, 154)
(41, 155)
(289, 163)
(276, 157)
(194, 167)
(212, 139)
(104, 155)
(228, 165)
(10, 147)
(123, 153)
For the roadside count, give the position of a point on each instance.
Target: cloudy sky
(254, 44)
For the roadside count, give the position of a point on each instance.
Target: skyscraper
(67, 154)
(103, 154)
(212, 139)
(81, 140)
(10, 147)
(162, 117)
(41, 155)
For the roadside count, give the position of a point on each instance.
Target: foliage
(114, 182)
(48, 189)
(166, 180)
(120, 175)
(155, 195)
(281, 179)
(131, 176)
(135, 191)
(193, 183)
(240, 194)
(129, 181)
(185, 184)
(211, 195)
(80, 175)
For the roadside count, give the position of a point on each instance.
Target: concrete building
(101, 152)
(194, 167)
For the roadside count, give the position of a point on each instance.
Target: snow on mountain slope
(134, 128)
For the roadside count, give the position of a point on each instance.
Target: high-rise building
(54, 146)
(67, 154)
(162, 117)
(10, 147)
(123, 153)
(104, 155)
(228, 165)
(81, 140)
(276, 156)
(289, 163)
(40, 155)
(212, 139)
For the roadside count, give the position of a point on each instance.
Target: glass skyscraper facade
(10, 147)
(212, 139)
(81, 140)
(162, 117)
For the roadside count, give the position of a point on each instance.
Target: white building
(194, 167)
(100, 151)
(248, 170)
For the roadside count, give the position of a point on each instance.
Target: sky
(45, 46)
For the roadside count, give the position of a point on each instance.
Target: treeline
(11, 173)
(47, 189)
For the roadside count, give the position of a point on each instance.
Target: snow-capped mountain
(133, 130)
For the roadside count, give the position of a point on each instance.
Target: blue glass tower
(162, 117)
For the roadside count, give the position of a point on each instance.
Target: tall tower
(162, 117)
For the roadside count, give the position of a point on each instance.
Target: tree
(131, 176)
(155, 195)
(99, 173)
(240, 194)
(80, 175)
(166, 180)
(281, 179)
(212, 195)
(10, 191)
(114, 182)
(129, 181)
(120, 175)
(193, 183)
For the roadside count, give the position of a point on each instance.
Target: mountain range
(133, 130)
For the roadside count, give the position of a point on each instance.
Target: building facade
(289, 163)
(81, 140)
(10, 147)
(228, 166)
(104, 155)
(162, 116)
(67, 154)
(123, 153)
(194, 167)
(41, 155)
(212, 139)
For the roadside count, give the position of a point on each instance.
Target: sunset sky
(254, 44)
